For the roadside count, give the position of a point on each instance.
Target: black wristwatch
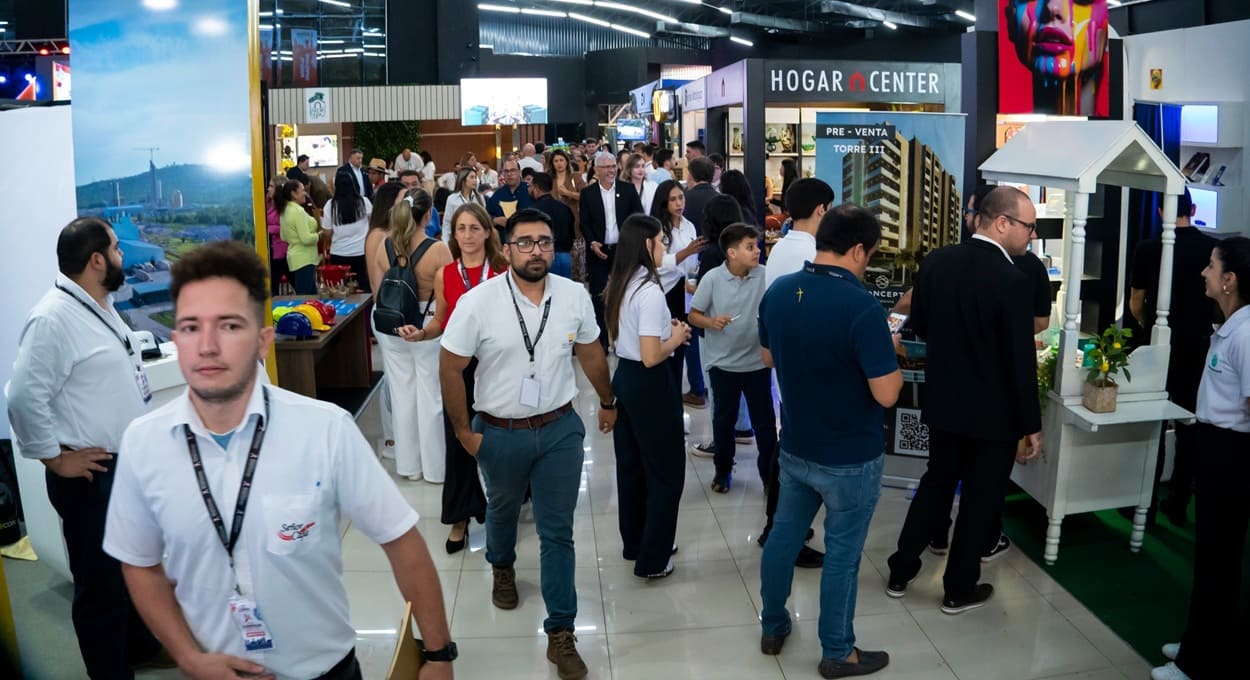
(608, 407)
(446, 654)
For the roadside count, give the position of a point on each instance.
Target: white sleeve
(131, 532)
(1239, 359)
(690, 265)
(326, 211)
(461, 338)
(653, 315)
(588, 331)
(41, 369)
(366, 494)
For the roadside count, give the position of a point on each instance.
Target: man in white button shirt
(407, 160)
(227, 504)
(604, 205)
(522, 327)
(77, 383)
(529, 160)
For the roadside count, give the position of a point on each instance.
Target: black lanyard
(464, 274)
(125, 341)
(525, 332)
(245, 485)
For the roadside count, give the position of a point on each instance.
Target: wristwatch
(446, 654)
(608, 407)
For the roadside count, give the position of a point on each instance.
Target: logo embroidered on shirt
(295, 531)
(799, 292)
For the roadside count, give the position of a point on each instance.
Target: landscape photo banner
(907, 169)
(162, 135)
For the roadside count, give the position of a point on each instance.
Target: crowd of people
(649, 283)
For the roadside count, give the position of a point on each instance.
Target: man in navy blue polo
(512, 196)
(829, 456)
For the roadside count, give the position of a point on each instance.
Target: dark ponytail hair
(632, 252)
(282, 196)
(659, 207)
(1234, 254)
(720, 212)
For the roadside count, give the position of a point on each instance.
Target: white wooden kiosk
(1094, 461)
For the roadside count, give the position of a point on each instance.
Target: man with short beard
(77, 383)
(521, 327)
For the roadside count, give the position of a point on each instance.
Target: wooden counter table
(333, 365)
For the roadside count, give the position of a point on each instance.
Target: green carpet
(1143, 597)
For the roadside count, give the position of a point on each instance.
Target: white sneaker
(415, 478)
(1168, 672)
(1171, 650)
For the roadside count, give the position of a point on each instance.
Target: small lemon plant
(1108, 356)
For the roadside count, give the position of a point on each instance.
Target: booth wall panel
(372, 104)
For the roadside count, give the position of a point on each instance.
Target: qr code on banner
(911, 436)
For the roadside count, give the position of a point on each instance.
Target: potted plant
(1107, 356)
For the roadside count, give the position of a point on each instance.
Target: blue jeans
(548, 460)
(849, 494)
(694, 368)
(562, 265)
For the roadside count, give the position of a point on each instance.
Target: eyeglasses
(1031, 226)
(526, 245)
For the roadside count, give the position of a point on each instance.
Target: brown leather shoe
(504, 593)
(562, 651)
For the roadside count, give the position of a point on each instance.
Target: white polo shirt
(74, 382)
(486, 327)
(314, 467)
(788, 255)
(1225, 385)
(646, 313)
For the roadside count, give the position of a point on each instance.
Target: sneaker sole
(955, 611)
(986, 559)
(895, 594)
(503, 605)
(940, 552)
(699, 453)
(568, 675)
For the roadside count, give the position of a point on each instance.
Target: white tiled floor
(703, 621)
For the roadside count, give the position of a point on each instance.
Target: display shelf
(782, 154)
(1126, 413)
(1209, 145)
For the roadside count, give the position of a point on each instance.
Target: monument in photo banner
(907, 168)
(165, 158)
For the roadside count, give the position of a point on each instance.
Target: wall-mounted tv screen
(322, 150)
(631, 129)
(503, 101)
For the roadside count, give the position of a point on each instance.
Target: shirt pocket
(293, 522)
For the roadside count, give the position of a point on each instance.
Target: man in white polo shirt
(522, 327)
(239, 487)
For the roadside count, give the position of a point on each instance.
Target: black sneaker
(705, 450)
(895, 588)
(1001, 548)
(869, 662)
(940, 546)
(772, 644)
(667, 571)
(980, 595)
(721, 483)
(809, 558)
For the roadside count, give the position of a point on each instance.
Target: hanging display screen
(503, 101)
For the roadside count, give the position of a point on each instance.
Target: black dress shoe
(772, 644)
(809, 558)
(980, 595)
(454, 547)
(869, 662)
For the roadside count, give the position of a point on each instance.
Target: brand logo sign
(317, 105)
(693, 95)
(856, 81)
(295, 531)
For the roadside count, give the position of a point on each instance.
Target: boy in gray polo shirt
(727, 306)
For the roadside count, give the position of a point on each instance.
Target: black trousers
(944, 522)
(727, 389)
(984, 467)
(650, 462)
(347, 669)
(1185, 365)
(111, 636)
(597, 271)
(463, 498)
(1215, 630)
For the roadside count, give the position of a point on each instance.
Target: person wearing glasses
(521, 327)
(603, 207)
(511, 196)
(971, 305)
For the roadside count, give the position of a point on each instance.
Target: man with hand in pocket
(227, 502)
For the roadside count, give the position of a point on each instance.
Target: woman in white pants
(410, 359)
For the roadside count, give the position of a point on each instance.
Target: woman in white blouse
(682, 245)
(346, 217)
(635, 172)
(465, 192)
(650, 450)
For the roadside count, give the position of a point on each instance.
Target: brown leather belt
(530, 423)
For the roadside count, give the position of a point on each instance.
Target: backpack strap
(391, 257)
(415, 258)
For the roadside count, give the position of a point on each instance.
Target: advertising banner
(268, 61)
(170, 168)
(907, 168)
(317, 105)
(727, 87)
(855, 81)
(304, 57)
(693, 95)
(1052, 57)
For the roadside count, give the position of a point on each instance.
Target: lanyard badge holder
(243, 609)
(531, 389)
(140, 378)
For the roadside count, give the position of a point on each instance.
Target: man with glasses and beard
(77, 383)
(521, 327)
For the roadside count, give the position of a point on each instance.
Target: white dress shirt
(611, 230)
(454, 202)
(448, 181)
(983, 237)
(348, 240)
(74, 382)
(1225, 386)
(644, 313)
(788, 255)
(532, 163)
(673, 272)
(413, 163)
(360, 179)
(314, 468)
(647, 195)
(427, 172)
(486, 327)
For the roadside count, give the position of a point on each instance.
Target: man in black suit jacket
(972, 306)
(353, 170)
(699, 191)
(601, 222)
